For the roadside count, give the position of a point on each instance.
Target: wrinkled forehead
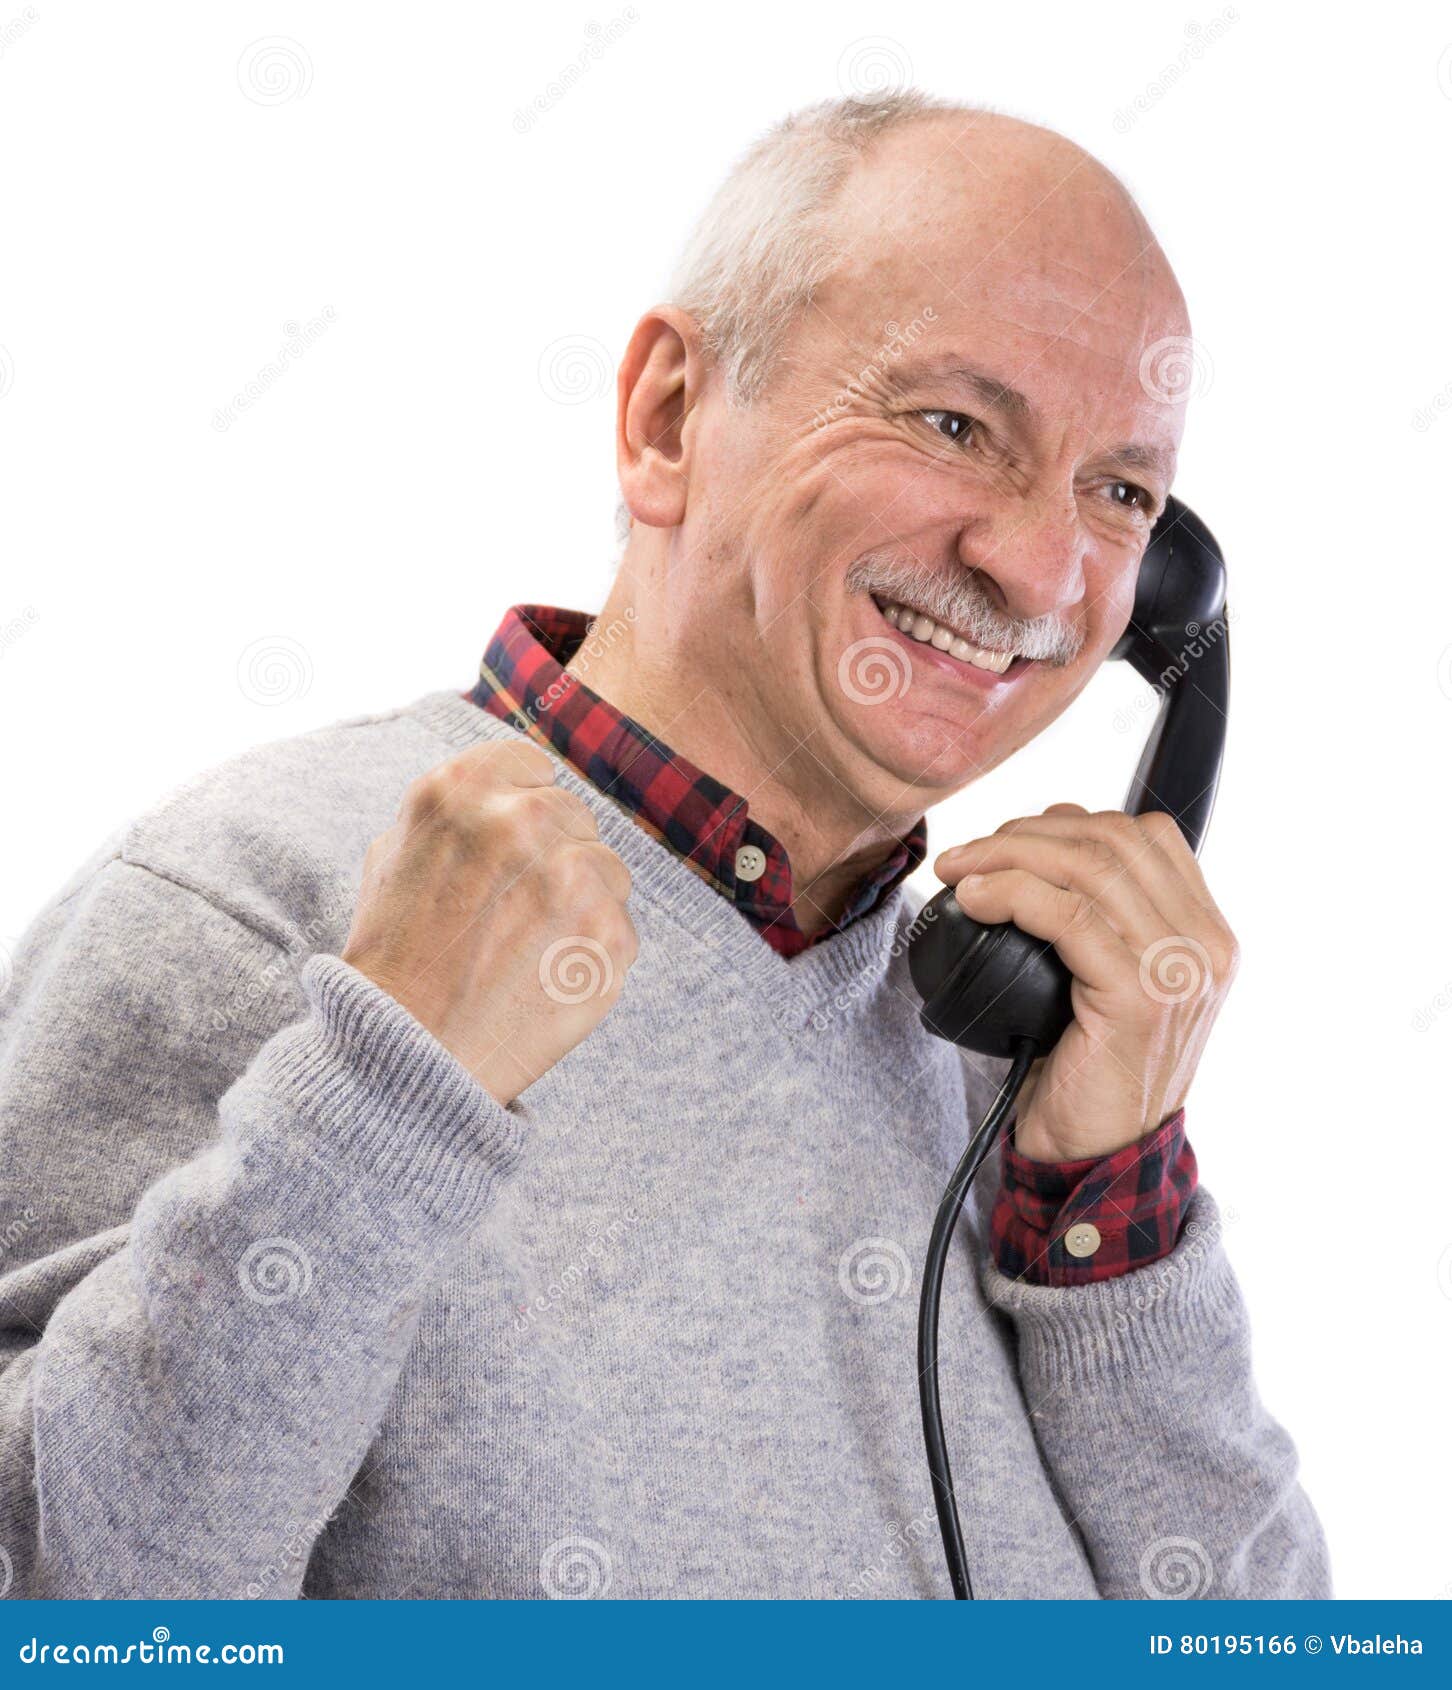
(1017, 246)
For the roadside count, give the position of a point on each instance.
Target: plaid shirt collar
(522, 680)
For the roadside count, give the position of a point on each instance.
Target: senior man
(484, 1150)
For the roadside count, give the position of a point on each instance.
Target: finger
(563, 811)
(608, 869)
(1091, 950)
(1075, 863)
(1152, 852)
(521, 763)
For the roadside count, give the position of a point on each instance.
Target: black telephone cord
(1024, 1052)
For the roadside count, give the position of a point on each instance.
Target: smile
(918, 626)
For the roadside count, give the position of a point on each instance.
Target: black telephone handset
(986, 987)
(1000, 992)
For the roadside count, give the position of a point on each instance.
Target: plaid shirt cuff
(1077, 1223)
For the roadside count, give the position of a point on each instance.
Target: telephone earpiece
(989, 987)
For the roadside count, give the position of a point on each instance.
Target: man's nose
(1031, 557)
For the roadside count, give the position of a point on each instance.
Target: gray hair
(765, 245)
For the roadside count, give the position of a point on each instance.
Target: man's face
(958, 422)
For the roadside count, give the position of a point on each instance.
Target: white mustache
(961, 602)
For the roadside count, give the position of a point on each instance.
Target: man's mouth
(917, 625)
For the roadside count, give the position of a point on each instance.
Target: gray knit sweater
(291, 1306)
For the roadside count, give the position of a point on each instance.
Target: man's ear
(660, 380)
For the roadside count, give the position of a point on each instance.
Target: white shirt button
(1082, 1240)
(750, 863)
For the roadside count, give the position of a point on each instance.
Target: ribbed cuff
(1140, 1321)
(381, 1088)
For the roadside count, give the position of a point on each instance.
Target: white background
(444, 447)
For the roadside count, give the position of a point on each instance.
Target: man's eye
(1131, 497)
(952, 425)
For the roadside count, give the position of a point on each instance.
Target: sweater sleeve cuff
(1147, 1322)
(1078, 1223)
(376, 1085)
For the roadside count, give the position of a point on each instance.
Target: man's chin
(933, 755)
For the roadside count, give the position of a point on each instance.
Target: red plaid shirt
(1055, 1223)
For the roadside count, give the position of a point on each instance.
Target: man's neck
(832, 841)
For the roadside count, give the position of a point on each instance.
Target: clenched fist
(1123, 901)
(494, 914)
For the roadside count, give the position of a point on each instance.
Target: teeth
(920, 627)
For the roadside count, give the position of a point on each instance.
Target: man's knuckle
(1094, 857)
(426, 795)
(1076, 911)
(1115, 830)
